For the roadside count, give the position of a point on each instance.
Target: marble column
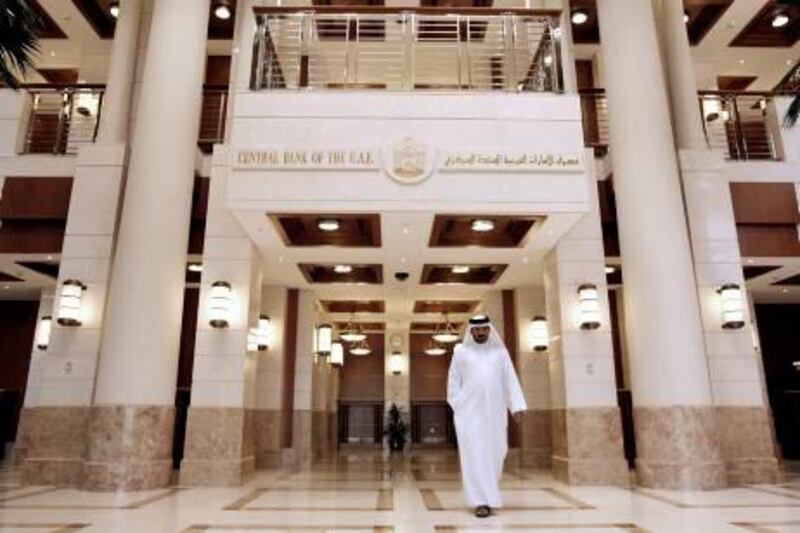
(220, 431)
(742, 408)
(113, 126)
(130, 435)
(587, 447)
(676, 430)
(55, 418)
(269, 381)
(536, 439)
(569, 76)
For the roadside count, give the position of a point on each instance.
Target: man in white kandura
(481, 387)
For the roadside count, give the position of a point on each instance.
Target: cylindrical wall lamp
(589, 306)
(396, 363)
(69, 310)
(219, 311)
(732, 306)
(262, 333)
(337, 354)
(43, 334)
(539, 335)
(324, 339)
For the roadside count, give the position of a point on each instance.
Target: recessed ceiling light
(222, 11)
(580, 16)
(796, 364)
(113, 9)
(686, 17)
(482, 225)
(328, 224)
(742, 61)
(6, 287)
(548, 60)
(342, 269)
(460, 269)
(610, 269)
(195, 267)
(780, 20)
(49, 257)
(784, 290)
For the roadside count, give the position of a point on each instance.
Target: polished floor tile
(368, 493)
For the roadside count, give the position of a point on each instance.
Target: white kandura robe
(481, 387)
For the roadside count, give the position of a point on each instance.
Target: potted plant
(19, 39)
(396, 429)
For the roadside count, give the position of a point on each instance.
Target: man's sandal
(482, 511)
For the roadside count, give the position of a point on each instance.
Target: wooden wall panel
(17, 328)
(428, 374)
(764, 203)
(289, 364)
(35, 198)
(768, 240)
(361, 378)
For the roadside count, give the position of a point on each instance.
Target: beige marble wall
(320, 428)
(130, 447)
(678, 448)
(536, 439)
(220, 447)
(587, 446)
(53, 443)
(267, 432)
(301, 452)
(748, 445)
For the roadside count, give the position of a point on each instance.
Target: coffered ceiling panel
(356, 231)
(49, 29)
(446, 306)
(476, 275)
(703, 14)
(457, 230)
(763, 31)
(369, 274)
(353, 306)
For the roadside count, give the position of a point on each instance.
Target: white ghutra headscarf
(494, 337)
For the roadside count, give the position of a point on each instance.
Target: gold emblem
(409, 161)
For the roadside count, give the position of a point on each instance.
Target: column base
(53, 445)
(130, 448)
(611, 472)
(536, 440)
(748, 445)
(678, 447)
(587, 447)
(681, 476)
(219, 449)
(267, 428)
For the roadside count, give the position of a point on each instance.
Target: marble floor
(364, 493)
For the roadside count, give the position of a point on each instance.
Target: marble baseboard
(536, 439)
(678, 447)
(130, 447)
(266, 437)
(747, 445)
(53, 445)
(587, 446)
(220, 473)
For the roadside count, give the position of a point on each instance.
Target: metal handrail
(741, 124)
(389, 49)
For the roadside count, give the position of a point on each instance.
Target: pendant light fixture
(435, 349)
(361, 348)
(353, 333)
(447, 335)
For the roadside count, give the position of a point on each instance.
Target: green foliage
(396, 429)
(19, 39)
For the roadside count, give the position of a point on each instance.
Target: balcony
(744, 126)
(61, 119)
(392, 50)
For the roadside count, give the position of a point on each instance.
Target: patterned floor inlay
(52, 498)
(769, 527)
(287, 529)
(522, 499)
(50, 528)
(542, 526)
(757, 498)
(314, 499)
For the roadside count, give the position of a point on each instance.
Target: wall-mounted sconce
(796, 365)
(43, 334)
(589, 306)
(324, 339)
(732, 306)
(261, 333)
(396, 363)
(539, 335)
(69, 309)
(219, 311)
(337, 354)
